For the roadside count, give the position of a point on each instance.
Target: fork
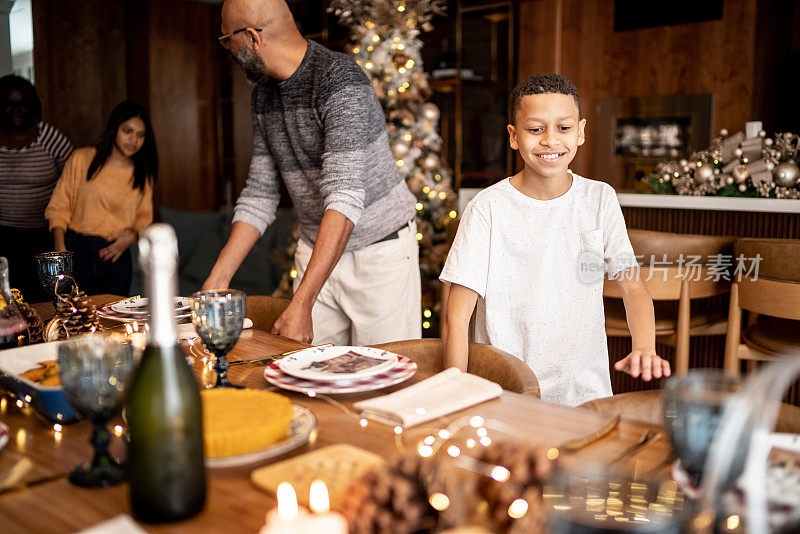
(266, 360)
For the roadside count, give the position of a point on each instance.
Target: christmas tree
(386, 45)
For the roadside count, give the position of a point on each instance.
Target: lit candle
(288, 518)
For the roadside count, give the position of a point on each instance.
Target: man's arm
(641, 322)
(243, 237)
(334, 232)
(455, 331)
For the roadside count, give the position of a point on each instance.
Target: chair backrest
(485, 361)
(263, 310)
(772, 287)
(646, 406)
(669, 260)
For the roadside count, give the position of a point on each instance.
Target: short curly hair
(537, 84)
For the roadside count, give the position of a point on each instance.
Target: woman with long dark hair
(104, 199)
(32, 154)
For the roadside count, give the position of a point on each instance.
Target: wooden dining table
(45, 501)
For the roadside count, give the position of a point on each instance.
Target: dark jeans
(93, 275)
(19, 246)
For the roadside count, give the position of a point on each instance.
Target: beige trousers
(373, 294)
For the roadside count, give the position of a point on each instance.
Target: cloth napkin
(442, 394)
(121, 524)
(186, 330)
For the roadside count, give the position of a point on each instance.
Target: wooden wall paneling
(185, 72)
(79, 64)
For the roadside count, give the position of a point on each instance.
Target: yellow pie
(241, 421)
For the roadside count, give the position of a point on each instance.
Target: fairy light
(409, 63)
(401, 46)
(376, 38)
(400, 162)
(454, 450)
(22, 438)
(485, 441)
(429, 440)
(426, 451)
(398, 430)
(370, 48)
(732, 522)
(444, 434)
(369, 65)
(3, 405)
(419, 236)
(426, 324)
(118, 430)
(453, 214)
(19, 403)
(476, 421)
(312, 393)
(471, 443)
(401, 70)
(407, 137)
(356, 50)
(481, 432)
(293, 273)
(518, 508)
(57, 427)
(432, 194)
(400, 8)
(27, 398)
(500, 473)
(552, 453)
(363, 422)
(419, 206)
(442, 195)
(401, 89)
(439, 501)
(426, 313)
(369, 24)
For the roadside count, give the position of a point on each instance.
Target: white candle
(288, 518)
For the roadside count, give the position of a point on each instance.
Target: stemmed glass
(95, 372)
(53, 268)
(693, 406)
(218, 316)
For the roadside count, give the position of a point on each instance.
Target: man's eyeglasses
(223, 40)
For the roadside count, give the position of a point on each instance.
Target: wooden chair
(264, 310)
(672, 288)
(485, 361)
(646, 406)
(772, 296)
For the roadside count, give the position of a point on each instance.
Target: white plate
(138, 306)
(3, 436)
(337, 363)
(300, 429)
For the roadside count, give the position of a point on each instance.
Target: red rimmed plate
(3, 435)
(401, 372)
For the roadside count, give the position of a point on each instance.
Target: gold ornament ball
(786, 174)
(400, 149)
(430, 112)
(703, 173)
(740, 173)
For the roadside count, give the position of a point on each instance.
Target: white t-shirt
(531, 262)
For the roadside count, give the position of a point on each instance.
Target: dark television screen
(635, 14)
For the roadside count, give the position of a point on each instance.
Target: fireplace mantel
(681, 202)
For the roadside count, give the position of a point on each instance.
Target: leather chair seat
(511, 373)
(773, 335)
(263, 310)
(666, 312)
(646, 406)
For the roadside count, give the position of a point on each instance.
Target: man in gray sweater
(319, 127)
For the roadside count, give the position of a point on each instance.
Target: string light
(453, 450)
(400, 162)
(426, 313)
(401, 8)
(439, 501)
(369, 65)
(419, 236)
(453, 214)
(476, 421)
(518, 508)
(426, 325)
(419, 206)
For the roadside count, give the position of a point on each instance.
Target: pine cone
(391, 499)
(35, 324)
(528, 468)
(78, 313)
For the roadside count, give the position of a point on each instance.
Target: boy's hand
(648, 363)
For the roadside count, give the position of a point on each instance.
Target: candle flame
(287, 501)
(318, 498)
(128, 329)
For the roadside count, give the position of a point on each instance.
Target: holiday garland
(734, 166)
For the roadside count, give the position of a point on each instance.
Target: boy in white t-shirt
(531, 252)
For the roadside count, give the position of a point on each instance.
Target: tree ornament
(723, 132)
(740, 173)
(786, 174)
(400, 148)
(431, 161)
(430, 112)
(703, 173)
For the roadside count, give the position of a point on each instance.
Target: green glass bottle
(165, 456)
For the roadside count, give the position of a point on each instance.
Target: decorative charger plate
(3, 435)
(401, 372)
(337, 363)
(300, 429)
(138, 306)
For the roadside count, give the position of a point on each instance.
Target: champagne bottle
(13, 326)
(165, 456)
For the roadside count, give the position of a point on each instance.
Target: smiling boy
(519, 251)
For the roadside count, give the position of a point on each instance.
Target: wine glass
(53, 269)
(217, 317)
(95, 372)
(693, 406)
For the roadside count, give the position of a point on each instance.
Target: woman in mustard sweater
(104, 199)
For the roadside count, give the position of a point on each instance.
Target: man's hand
(119, 244)
(648, 363)
(295, 323)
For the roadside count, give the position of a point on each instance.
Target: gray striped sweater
(322, 132)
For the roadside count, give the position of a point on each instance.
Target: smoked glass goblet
(95, 372)
(55, 272)
(218, 316)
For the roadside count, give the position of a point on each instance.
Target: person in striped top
(32, 155)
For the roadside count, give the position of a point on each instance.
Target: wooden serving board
(337, 465)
